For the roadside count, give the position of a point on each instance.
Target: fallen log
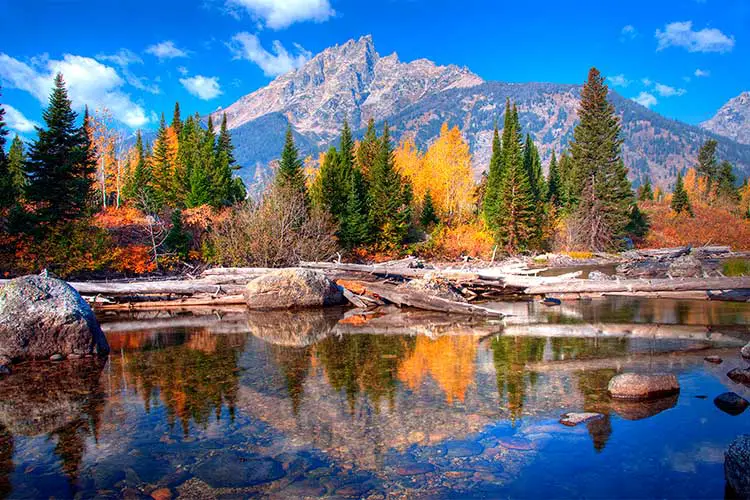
(655, 285)
(165, 287)
(174, 303)
(413, 298)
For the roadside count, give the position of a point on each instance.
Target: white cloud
(667, 91)
(88, 82)
(203, 87)
(247, 46)
(628, 32)
(647, 82)
(278, 14)
(166, 50)
(646, 99)
(681, 34)
(700, 73)
(17, 121)
(123, 58)
(619, 80)
(182, 70)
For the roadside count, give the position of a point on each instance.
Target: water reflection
(342, 404)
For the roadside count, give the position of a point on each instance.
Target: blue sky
(682, 58)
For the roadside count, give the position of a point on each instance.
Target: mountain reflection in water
(334, 402)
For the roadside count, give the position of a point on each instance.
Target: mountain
(352, 81)
(732, 120)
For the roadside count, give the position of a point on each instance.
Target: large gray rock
(637, 386)
(686, 266)
(41, 317)
(737, 465)
(746, 351)
(290, 288)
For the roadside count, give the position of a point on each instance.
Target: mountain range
(353, 82)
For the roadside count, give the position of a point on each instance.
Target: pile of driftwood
(372, 285)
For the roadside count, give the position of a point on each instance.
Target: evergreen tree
(346, 149)
(390, 195)
(726, 181)
(517, 210)
(554, 183)
(176, 119)
(7, 191)
(178, 240)
(333, 184)
(368, 149)
(139, 187)
(428, 217)
(645, 191)
(355, 227)
(491, 197)
(201, 168)
(604, 207)
(707, 163)
(567, 181)
(290, 172)
(185, 182)
(225, 192)
(59, 168)
(163, 184)
(533, 165)
(16, 161)
(680, 201)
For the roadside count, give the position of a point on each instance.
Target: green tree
(726, 189)
(176, 119)
(333, 185)
(491, 198)
(554, 183)
(139, 187)
(390, 195)
(178, 240)
(368, 149)
(190, 182)
(428, 217)
(7, 190)
(604, 205)
(59, 167)
(680, 200)
(291, 174)
(346, 148)
(707, 163)
(355, 227)
(533, 165)
(163, 184)
(645, 191)
(226, 190)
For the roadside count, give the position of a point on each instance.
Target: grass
(736, 267)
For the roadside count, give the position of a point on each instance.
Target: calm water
(393, 405)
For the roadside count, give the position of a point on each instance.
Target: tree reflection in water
(6, 461)
(510, 355)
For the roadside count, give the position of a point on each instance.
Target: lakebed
(397, 403)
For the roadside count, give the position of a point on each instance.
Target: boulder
(435, 287)
(737, 465)
(637, 386)
(740, 376)
(292, 288)
(713, 359)
(573, 419)
(599, 276)
(745, 351)
(42, 316)
(686, 266)
(731, 403)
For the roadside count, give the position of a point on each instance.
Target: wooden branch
(655, 285)
(166, 287)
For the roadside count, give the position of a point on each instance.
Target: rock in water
(740, 376)
(713, 359)
(290, 288)
(737, 465)
(41, 317)
(731, 403)
(746, 351)
(686, 266)
(643, 386)
(573, 419)
(599, 276)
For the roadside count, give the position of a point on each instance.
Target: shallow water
(404, 404)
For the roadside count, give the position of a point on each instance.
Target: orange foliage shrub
(471, 239)
(135, 259)
(113, 218)
(713, 225)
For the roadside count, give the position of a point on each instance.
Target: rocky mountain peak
(732, 120)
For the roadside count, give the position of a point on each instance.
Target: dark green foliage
(491, 196)
(533, 165)
(726, 189)
(7, 191)
(346, 148)
(554, 183)
(391, 197)
(190, 182)
(162, 168)
(645, 191)
(226, 189)
(59, 167)
(638, 225)
(707, 163)
(368, 149)
(334, 181)
(355, 228)
(605, 199)
(178, 240)
(680, 200)
(428, 217)
(291, 174)
(567, 181)
(139, 188)
(177, 119)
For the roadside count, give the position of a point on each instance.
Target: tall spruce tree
(346, 148)
(176, 119)
(139, 188)
(680, 200)
(356, 228)
(726, 188)
(201, 190)
(604, 209)
(491, 197)
(533, 165)
(59, 166)
(7, 192)
(162, 167)
(225, 192)
(186, 183)
(333, 184)
(517, 209)
(428, 217)
(554, 183)
(368, 149)
(708, 166)
(290, 174)
(390, 196)
(645, 191)
(16, 161)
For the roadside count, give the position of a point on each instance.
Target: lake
(394, 404)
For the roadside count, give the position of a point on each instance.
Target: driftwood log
(655, 285)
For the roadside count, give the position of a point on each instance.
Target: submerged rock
(745, 351)
(292, 288)
(632, 409)
(294, 328)
(41, 317)
(573, 419)
(740, 376)
(713, 359)
(737, 465)
(643, 386)
(731, 403)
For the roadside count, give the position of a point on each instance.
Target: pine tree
(368, 149)
(680, 201)
(517, 210)
(491, 197)
(178, 240)
(707, 163)
(604, 209)
(290, 174)
(176, 119)
(428, 217)
(390, 196)
(533, 165)
(645, 191)
(346, 149)
(201, 168)
(59, 166)
(355, 228)
(185, 182)
(162, 168)
(139, 187)
(726, 189)
(554, 183)
(333, 184)
(7, 191)
(224, 184)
